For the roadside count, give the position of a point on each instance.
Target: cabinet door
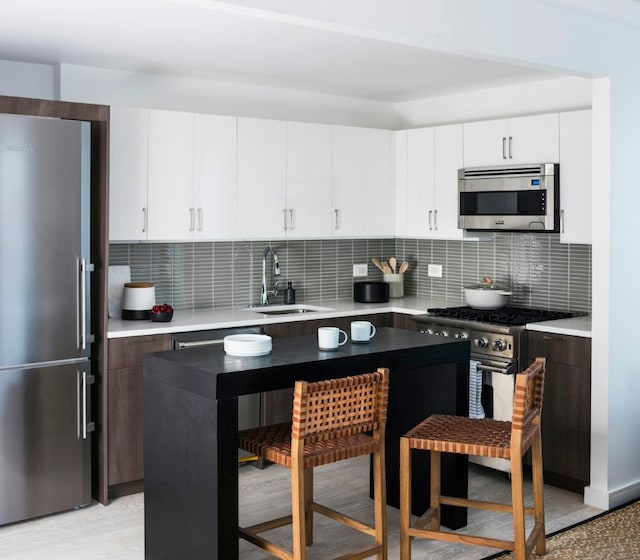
(575, 177)
(308, 180)
(420, 182)
(171, 211)
(486, 143)
(448, 152)
(566, 411)
(534, 139)
(362, 201)
(128, 173)
(215, 169)
(262, 153)
(400, 139)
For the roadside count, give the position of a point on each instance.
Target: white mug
(329, 338)
(362, 331)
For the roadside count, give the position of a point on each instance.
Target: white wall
(113, 87)
(20, 79)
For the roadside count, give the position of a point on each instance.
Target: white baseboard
(603, 499)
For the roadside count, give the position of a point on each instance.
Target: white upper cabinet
(519, 140)
(215, 169)
(575, 177)
(262, 170)
(420, 182)
(171, 214)
(363, 205)
(308, 200)
(400, 139)
(128, 173)
(434, 156)
(448, 158)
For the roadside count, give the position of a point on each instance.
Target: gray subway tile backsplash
(540, 271)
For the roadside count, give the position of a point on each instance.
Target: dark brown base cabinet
(566, 412)
(124, 387)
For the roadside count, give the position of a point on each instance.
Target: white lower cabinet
(575, 177)
(171, 215)
(363, 202)
(262, 171)
(128, 173)
(215, 176)
(433, 157)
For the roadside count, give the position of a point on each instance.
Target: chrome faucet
(265, 292)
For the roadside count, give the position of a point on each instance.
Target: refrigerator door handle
(87, 379)
(85, 338)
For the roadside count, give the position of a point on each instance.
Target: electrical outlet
(360, 270)
(434, 270)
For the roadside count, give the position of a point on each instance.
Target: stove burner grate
(515, 316)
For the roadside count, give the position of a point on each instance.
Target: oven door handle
(509, 370)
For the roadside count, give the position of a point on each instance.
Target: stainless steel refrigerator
(45, 374)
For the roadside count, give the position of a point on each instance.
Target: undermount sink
(286, 309)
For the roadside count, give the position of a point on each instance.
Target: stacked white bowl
(245, 345)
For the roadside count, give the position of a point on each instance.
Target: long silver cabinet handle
(504, 147)
(145, 220)
(284, 219)
(336, 213)
(510, 147)
(435, 220)
(86, 425)
(292, 218)
(430, 220)
(200, 220)
(561, 221)
(192, 219)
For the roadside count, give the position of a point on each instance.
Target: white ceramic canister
(137, 300)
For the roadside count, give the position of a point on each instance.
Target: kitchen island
(191, 423)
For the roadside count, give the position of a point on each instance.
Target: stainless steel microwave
(510, 198)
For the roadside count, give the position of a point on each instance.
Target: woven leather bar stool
(333, 420)
(488, 438)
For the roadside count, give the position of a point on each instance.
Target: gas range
(495, 335)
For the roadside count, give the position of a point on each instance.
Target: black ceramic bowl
(161, 317)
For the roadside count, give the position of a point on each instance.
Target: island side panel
(414, 394)
(181, 493)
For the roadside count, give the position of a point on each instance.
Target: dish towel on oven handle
(475, 391)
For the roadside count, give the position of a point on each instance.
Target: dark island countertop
(191, 423)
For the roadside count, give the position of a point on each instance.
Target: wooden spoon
(403, 267)
(386, 268)
(377, 263)
(393, 263)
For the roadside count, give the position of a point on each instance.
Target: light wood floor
(116, 532)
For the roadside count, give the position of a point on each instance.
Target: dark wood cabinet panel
(566, 412)
(124, 392)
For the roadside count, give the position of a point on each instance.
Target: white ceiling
(204, 39)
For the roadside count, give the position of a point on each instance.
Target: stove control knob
(462, 335)
(427, 331)
(499, 345)
(482, 342)
(442, 333)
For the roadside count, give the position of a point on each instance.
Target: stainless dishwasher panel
(250, 407)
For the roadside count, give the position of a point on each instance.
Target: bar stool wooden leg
(380, 503)
(298, 513)
(308, 498)
(538, 493)
(405, 499)
(435, 490)
(517, 498)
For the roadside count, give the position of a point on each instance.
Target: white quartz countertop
(576, 326)
(222, 318)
